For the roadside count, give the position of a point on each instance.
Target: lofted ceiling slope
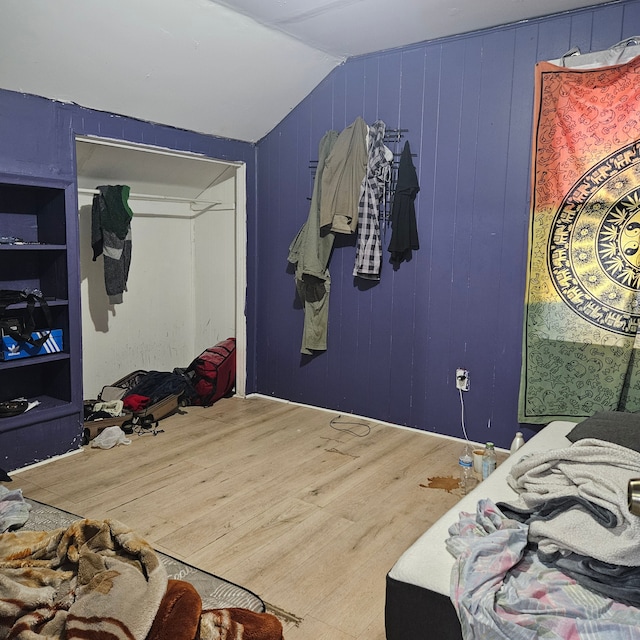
(354, 27)
(230, 68)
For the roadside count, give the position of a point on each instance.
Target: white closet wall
(181, 293)
(214, 264)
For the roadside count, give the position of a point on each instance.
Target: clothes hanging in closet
(111, 236)
(344, 171)
(373, 192)
(404, 230)
(310, 252)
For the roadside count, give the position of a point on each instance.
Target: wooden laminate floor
(268, 495)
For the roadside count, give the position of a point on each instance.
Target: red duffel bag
(213, 373)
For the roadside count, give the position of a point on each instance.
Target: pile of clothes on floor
(134, 404)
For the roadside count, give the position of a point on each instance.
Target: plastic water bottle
(518, 441)
(488, 461)
(465, 464)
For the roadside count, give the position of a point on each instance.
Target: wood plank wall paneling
(393, 347)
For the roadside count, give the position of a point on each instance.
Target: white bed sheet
(427, 563)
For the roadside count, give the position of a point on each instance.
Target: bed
(418, 602)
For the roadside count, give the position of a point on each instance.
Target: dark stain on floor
(448, 483)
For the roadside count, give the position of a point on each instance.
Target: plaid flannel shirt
(372, 196)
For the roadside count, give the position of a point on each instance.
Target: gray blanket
(14, 510)
(594, 471)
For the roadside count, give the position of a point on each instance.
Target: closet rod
(149, 196)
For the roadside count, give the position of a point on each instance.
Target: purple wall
(394, 347)
(37, 140)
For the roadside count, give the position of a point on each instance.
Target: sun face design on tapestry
(594, 244)
(581, 348)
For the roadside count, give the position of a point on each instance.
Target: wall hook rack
(391, 137)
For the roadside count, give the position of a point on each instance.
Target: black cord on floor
(334, 422)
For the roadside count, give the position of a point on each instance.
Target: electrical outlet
(462, 379)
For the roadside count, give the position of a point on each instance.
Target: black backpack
(18, 329)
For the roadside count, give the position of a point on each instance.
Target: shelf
(42, 213)
(33, 361)
(51, 303)
(33, 247)
(42, 269)
(48, 409)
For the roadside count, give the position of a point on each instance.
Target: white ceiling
(354, 27)
(231, 68)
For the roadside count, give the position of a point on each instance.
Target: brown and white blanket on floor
(99, 580)
(93, 579)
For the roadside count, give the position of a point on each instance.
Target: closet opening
(187, 280)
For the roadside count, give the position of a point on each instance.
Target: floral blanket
(501, 590)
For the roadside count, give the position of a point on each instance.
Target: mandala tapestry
(580, 351)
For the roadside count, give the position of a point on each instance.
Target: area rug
(216, 593)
